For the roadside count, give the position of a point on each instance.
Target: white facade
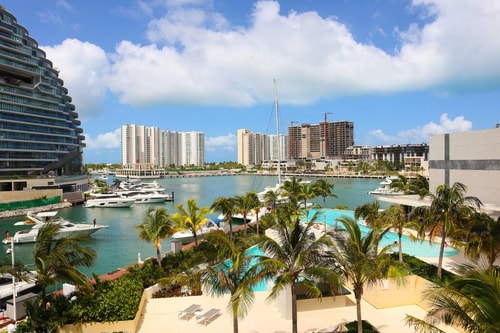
(150, 146)
(140, 145)
(255, 148)
(471, 158)
(192, 146)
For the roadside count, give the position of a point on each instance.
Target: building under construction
(324, 140)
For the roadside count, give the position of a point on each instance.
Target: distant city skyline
(401, 71)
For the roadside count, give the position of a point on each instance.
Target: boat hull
(98, 203)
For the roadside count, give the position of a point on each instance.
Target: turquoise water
(118, 246)
(415, 248)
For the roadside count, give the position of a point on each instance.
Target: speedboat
(108, 200)
(144, 197)
(37, 221)
(385, 188)
(186, 236)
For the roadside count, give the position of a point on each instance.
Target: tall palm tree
(419, 185)
(360, 262)
(469, 302)
(193, 218)
(373, 217)
(482, 236)
(447, 212)
(155, 228)
(291, 188)
(296, 255)
(395, 219)
(271, 199)
(401, 184)
(306, 192)
(324, 189)
(237, 272)
(227, 207)
(245, 203)
(58, 260)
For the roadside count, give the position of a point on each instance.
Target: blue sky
(400, 70)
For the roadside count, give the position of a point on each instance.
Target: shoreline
(22, 212)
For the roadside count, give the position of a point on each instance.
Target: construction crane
(325, 133)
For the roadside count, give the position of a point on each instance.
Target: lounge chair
(208, 316)
(189, 312)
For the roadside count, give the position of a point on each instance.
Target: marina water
(119, 245)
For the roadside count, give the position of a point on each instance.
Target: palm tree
(446, 213)
(296, 255)
(419, 185)
(271, 199)
(483, 237)
(291, 188)
(193, 218)
(245, 203)
(325, 189)
(374, 218)
(58, 260)
(237, 272)
(395, 219)
(306, 192)
(155, 228)
(401, 184)
(360, 261)
(469, 302)
(227, 207)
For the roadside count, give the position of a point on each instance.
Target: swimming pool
(415, 248)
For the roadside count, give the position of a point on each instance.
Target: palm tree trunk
(400, 248)
(195, 239)
(294, 308)
(230, 219)
(245, 222)
(158, 256)
(440, 261)
(358, 291)
(235, 323)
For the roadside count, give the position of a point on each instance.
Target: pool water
(416, 248)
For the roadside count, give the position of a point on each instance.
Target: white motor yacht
(37, 221)
(186, 236)
(385, 188)
(108, 200)
(144, 197)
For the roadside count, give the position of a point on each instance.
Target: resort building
(40, 133)
(257, 148)
(140, 145)
(192, 148)
(471, 158)
(150, 147)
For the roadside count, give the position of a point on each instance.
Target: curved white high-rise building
(39, 129)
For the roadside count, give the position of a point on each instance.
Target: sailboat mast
(277, 129)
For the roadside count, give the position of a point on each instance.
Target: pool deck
(264, 316)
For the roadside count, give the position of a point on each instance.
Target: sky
(400, 70)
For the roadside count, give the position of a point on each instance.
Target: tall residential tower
(39, 130)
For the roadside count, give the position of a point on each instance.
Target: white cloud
(197, 58)
(83, 68)
(226, 143)
(109, 140)
(422, 134)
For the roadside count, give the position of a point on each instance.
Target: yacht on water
(186, 236)
(37, 221)
(108, 200)
(385, 187)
